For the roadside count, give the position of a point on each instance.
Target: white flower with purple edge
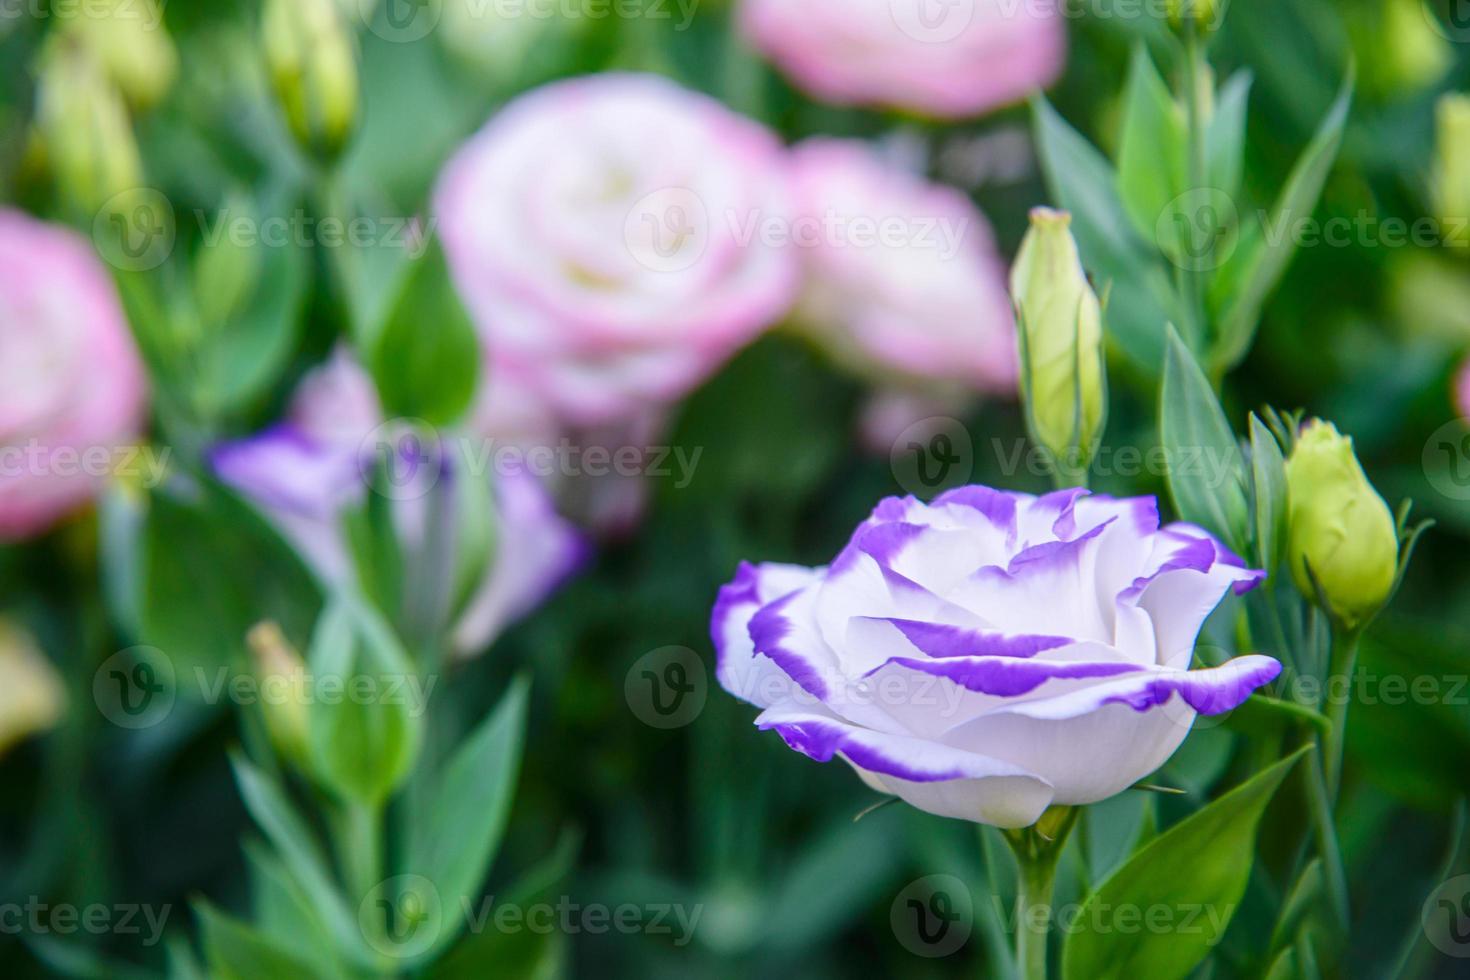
(990, 654)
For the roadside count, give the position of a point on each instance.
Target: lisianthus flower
(604, 233)
(990, 654)
(304, 473)
(950, 61)
(74, 388)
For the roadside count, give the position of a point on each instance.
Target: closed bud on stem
(311, 57)
(31, 695)
(284, 699)
(1202, 13)
(128, 40)
(86, 129)
(1060, 327)
(1452, 167)
(1343, 542)
(1397, 46)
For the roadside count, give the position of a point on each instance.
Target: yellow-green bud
(311, 56)
(1452, 168)
(1201, 12)
(1060, 320)
(284, 698)
(128, 39)
(86, 129)
(1398, 47)
(1340, 526)
(31, 694)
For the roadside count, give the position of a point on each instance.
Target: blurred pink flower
(73, 392)
(954, 59)
(1462, 390)
(903, 280)
(602, 232)
(611, 502)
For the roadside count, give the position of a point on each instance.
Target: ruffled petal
(936, 778)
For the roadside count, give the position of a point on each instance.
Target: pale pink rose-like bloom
(951, 60)
(904, 283)
(72, 385)
(600, 232)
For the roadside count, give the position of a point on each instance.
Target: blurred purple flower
(990, 654)
(303, 474)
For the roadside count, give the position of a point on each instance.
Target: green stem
(1037, 850)
(360, 847)
(1319, 801)
(1195, 73)
(1343, 663)
(1065, 476)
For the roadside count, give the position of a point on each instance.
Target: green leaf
(1152, 155)
(365, 735)
(300, 854)
(802, 907)
(212, 570)
(426, 357)
(524, 954)
(283, 909)
(182, 963)
(459, 829)
(1225, 136)
(243, 353)
(1141, 298)
(1206, 475)
(1201, 863)
(1263, 256)
(1268, 491)
(237, 951)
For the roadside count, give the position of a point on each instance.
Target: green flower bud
(1398, 48)
(32, 698)
(312, 60)
(1060, 323)
(129, 42)
(1339, 526)
(86, 130)
(283, 688)
(1452, 167)
(1201, 12)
